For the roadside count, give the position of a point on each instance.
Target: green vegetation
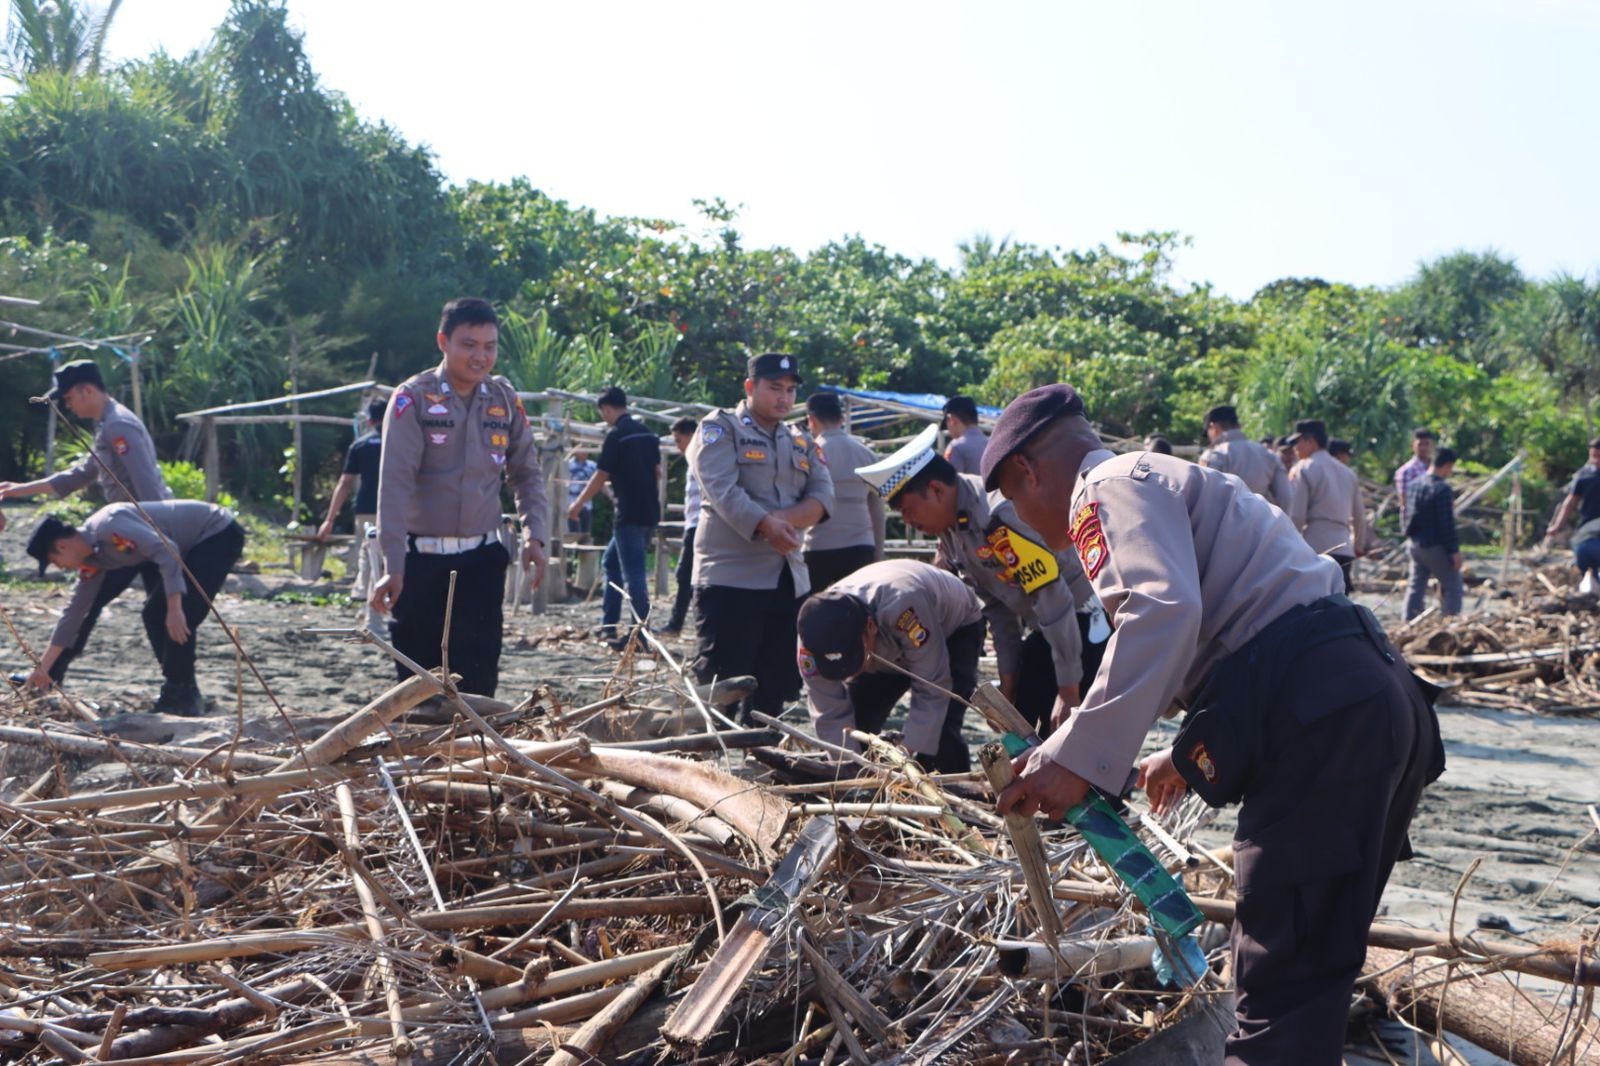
(239, 209)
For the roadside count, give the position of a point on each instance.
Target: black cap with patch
(49, 530)
(832, 632)
(773, 365)
(75, 373)
(1022, 418)
(1224, 414)
(1309, 427)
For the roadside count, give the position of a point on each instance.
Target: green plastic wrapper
(1117, 845)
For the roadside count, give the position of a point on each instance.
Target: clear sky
(1349, 141)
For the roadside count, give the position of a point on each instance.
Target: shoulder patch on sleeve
(1089, 538)
(710, 433)
(909, 624)
(121, 543)
(807, 664)
(402, 400)
(120, 445)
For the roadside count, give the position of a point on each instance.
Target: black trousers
(475, 621)
(873, 695)
(685, 576)
(750, 632)
(112, 585)
(1036, 675)
(1347, 565)
(209, 563)
(829, 566)
(1346, 753)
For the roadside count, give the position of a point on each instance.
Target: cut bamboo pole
(1024, 833)
(594, 1033)
(401, 1043)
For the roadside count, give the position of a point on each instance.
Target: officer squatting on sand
(1298, 705)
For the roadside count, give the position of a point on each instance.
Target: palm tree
(65, 36)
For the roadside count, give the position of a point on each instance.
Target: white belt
(448, 545)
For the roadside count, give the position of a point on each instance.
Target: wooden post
(213, 459)
(298, 433)
(133, 376)
(50, 440)
(552, 454)
(661, 535)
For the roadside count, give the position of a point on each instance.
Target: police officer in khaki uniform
(450, 436)
(763, 482)
(1231, 452)
(1046, 645)
(124, 537)
(1297, 704)
(1326, 503)
(123, 464)
(914, 615)
(853, 535)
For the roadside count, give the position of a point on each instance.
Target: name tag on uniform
(1022, 562)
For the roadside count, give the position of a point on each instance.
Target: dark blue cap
(49, 530)
(75, 373)
(832, 625)
(773, 365)
(1022, 418)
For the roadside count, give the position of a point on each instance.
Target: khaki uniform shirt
(856, 517)
(1326, 505)
(1190, 566)
(1019, 581)
(1251, 462)
(444, 457)
(746, 472)
(917, 607)
(119, 536)
(123, 445)
(965, 453)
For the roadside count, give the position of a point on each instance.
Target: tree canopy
(239, 209)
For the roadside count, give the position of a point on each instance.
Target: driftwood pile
(1536, 647)
(503, 887)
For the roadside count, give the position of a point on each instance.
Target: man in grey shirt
(967, 441)
(1326, 503)
(122, 462)
(1231, 452)
(169, 536)
(853, 535)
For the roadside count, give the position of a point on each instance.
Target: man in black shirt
(630, 461)
(361, 477)
(1583, 496)
(1431, 527)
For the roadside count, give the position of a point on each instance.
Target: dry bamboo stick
(247, 944)
(264, 785)
(1024, 833)
(401, 1043)
(372, 718)
(99, 748)
(594, 1033)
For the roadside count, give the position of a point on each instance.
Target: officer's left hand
(1067, 697)
(40, 678)
(177, 626)
(574, 512)
(533, 555)
(1042, 784)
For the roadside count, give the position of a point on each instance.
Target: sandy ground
(1515, 795)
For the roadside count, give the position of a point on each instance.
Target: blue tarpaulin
(927, 401)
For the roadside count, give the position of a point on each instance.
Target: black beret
(1223, 415)
(832, 625)
(773, 365)
(1424, 433)
(49, 530)
(1022, 418)
(75, 373)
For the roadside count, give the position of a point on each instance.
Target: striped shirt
(1404, 478)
